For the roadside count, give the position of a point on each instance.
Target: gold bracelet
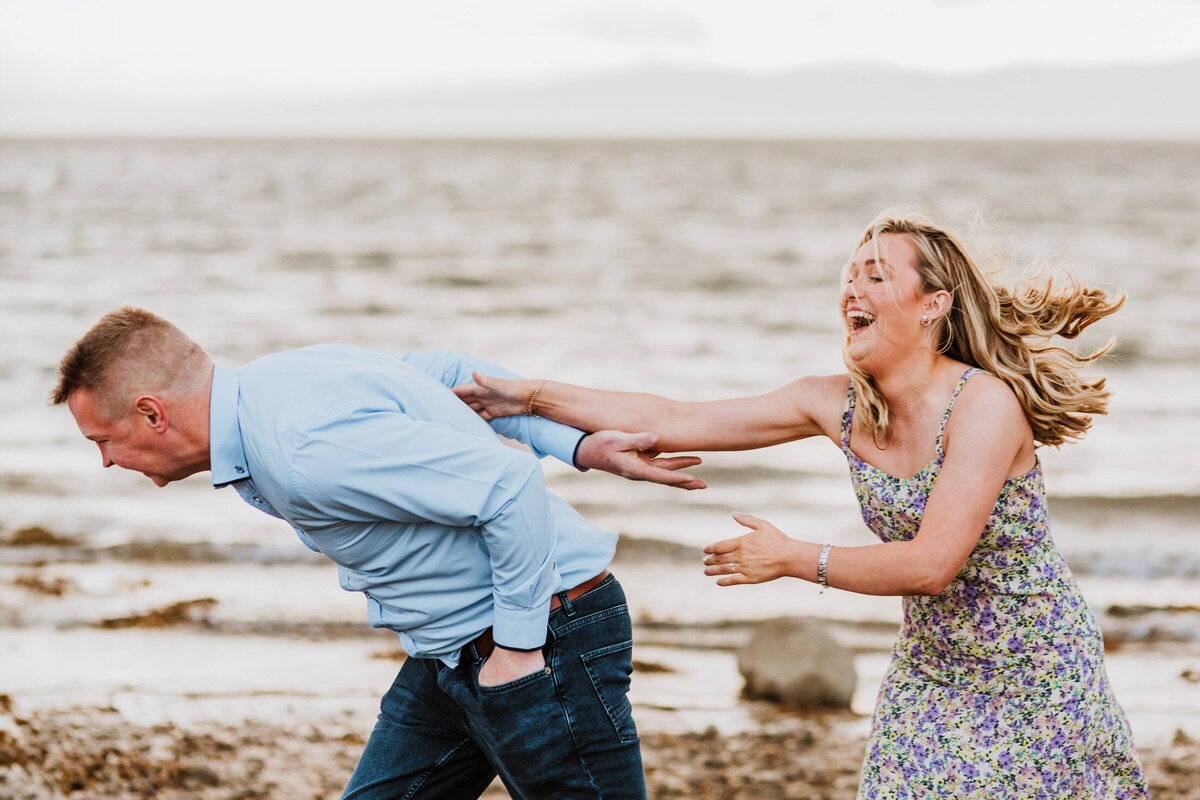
(529, 408)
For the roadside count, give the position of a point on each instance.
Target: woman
(997, 686)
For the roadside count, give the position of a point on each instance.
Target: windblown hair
(1006, 330)
(130, 351)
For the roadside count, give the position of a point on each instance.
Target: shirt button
(258, 499)
(240, 471)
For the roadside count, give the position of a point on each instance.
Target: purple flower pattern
(996, 687)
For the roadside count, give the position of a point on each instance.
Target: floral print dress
(997, 687)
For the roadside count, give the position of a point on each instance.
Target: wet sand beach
(197, 698)
(95, 753)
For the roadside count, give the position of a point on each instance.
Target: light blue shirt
(376, 464)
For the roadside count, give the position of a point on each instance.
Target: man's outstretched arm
(630, 456)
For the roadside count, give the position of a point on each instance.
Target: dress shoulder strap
(848, 418)
(950, 407)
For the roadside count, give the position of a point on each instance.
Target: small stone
(793, 660)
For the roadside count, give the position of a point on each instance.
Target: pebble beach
(95, 753)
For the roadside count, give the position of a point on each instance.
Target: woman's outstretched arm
(988, 441)
(806, 407)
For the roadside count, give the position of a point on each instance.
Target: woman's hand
(496, 397)
(756, 557)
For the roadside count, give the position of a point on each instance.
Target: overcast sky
(153, 48)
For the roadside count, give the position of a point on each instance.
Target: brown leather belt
(483, 644)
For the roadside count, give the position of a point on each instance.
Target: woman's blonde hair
(1006, 330)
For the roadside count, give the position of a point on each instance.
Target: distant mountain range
(1125, 102)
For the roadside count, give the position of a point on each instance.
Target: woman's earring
(924, 321)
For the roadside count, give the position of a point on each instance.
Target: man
(518, 638)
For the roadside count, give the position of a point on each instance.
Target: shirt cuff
(552, 439)
(521, 649)
(575, 455)
(521, 629)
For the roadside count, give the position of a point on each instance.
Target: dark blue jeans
(562, 733)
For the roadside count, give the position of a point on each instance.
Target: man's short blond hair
(130, 352)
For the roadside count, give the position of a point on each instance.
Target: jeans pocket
(609, 669)
(516, 683)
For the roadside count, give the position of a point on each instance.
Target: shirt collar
(227, 455)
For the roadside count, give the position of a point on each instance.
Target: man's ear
(151, 411)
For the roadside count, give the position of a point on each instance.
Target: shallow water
(698, 269)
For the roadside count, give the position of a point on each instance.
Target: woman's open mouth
(859, 319)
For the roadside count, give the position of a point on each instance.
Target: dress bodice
(1014, 598)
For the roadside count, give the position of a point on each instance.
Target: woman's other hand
(756, 557)
(496, 397)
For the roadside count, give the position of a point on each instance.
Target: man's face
(135, 441)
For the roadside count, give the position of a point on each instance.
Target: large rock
(793, 660)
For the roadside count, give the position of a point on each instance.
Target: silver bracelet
(822, 562)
